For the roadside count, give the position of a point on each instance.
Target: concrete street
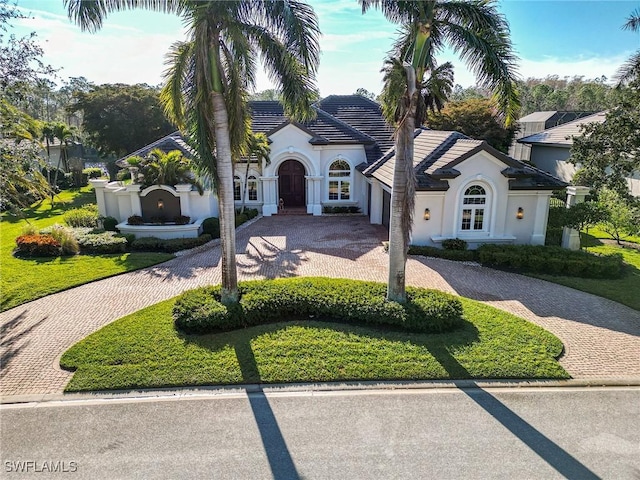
(522, 433)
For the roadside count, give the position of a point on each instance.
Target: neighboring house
(345, 157)
(52, 154)
(537, 122)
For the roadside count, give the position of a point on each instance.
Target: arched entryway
(291, 184)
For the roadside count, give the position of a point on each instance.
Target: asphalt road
(532, 433)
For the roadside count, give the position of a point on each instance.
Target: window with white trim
(237, 189)
(474, 204)
(340, 180)
(252, 188)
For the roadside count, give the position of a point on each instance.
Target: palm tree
(480, 35)
(631, 68)
(65, 134)
(209, 77)
(160, 168)
(258, 148)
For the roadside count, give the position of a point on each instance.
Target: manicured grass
(599, 233)
(23, 280)
(144, 350)
(625, 290)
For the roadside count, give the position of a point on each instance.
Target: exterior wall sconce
(160, 204)
(427, 214)
(520, 214)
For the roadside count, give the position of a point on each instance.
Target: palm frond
(629, 70)
(633, 21)
(89, 14)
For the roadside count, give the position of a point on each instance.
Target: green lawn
(599, 233)
(144, 350)
(22, 280)
(624, 290)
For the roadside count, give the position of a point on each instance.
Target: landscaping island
(284, 342)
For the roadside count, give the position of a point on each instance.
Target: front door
(291, 184)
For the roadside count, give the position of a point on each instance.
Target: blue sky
(564, 38)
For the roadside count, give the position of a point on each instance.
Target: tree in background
(21, 180)
(119, 119)
(631, 68)
(621, 214)
(160, 168)
(363, 92)
(480, 35)
(476, 118)
(608, 153)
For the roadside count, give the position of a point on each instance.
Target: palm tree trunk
(226, 208)
(402, 195)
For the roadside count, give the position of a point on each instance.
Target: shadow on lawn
(44, 209)
(438, 345)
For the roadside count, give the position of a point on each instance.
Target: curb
(324, 387)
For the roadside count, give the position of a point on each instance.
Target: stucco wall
(501, 223)
(554, 161)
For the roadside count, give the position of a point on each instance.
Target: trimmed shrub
(147, 244)
(181, 220)
(177, 244)
(153, 244)
(38, 245)
(102, 242)
(454, 244)
(211, 226)
(94, 172)
(86, 216)
(109, 224)
(135, 220)
(459, 255)
(551, 260)
(351, 301)
(340, 209)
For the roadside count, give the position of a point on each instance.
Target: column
(376, 203)
(540, 220)
(269, 195)
(571, 237)
(184, 192)
(99, 186)
(134, 196)
(314, 189)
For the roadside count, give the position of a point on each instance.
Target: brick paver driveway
(601, 338)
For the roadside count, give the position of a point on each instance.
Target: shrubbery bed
(551, 260)
(266, 301)
(534, 258)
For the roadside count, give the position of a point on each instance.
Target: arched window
(252, 188)
(474, 204)
(237, 189)
(340, 180)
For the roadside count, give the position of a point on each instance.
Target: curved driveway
(601, 337)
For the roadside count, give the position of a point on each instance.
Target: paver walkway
(601, 337)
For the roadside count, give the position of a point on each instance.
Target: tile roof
(436, 154)
(268, 117)
(364, 115)
(561, 135)
(173, 141)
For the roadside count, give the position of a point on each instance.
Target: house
(537, 122)
(345, 158)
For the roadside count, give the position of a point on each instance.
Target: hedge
(459, 255)
(265, 301)
(86, 216)
(153, 244)
(551, 260)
